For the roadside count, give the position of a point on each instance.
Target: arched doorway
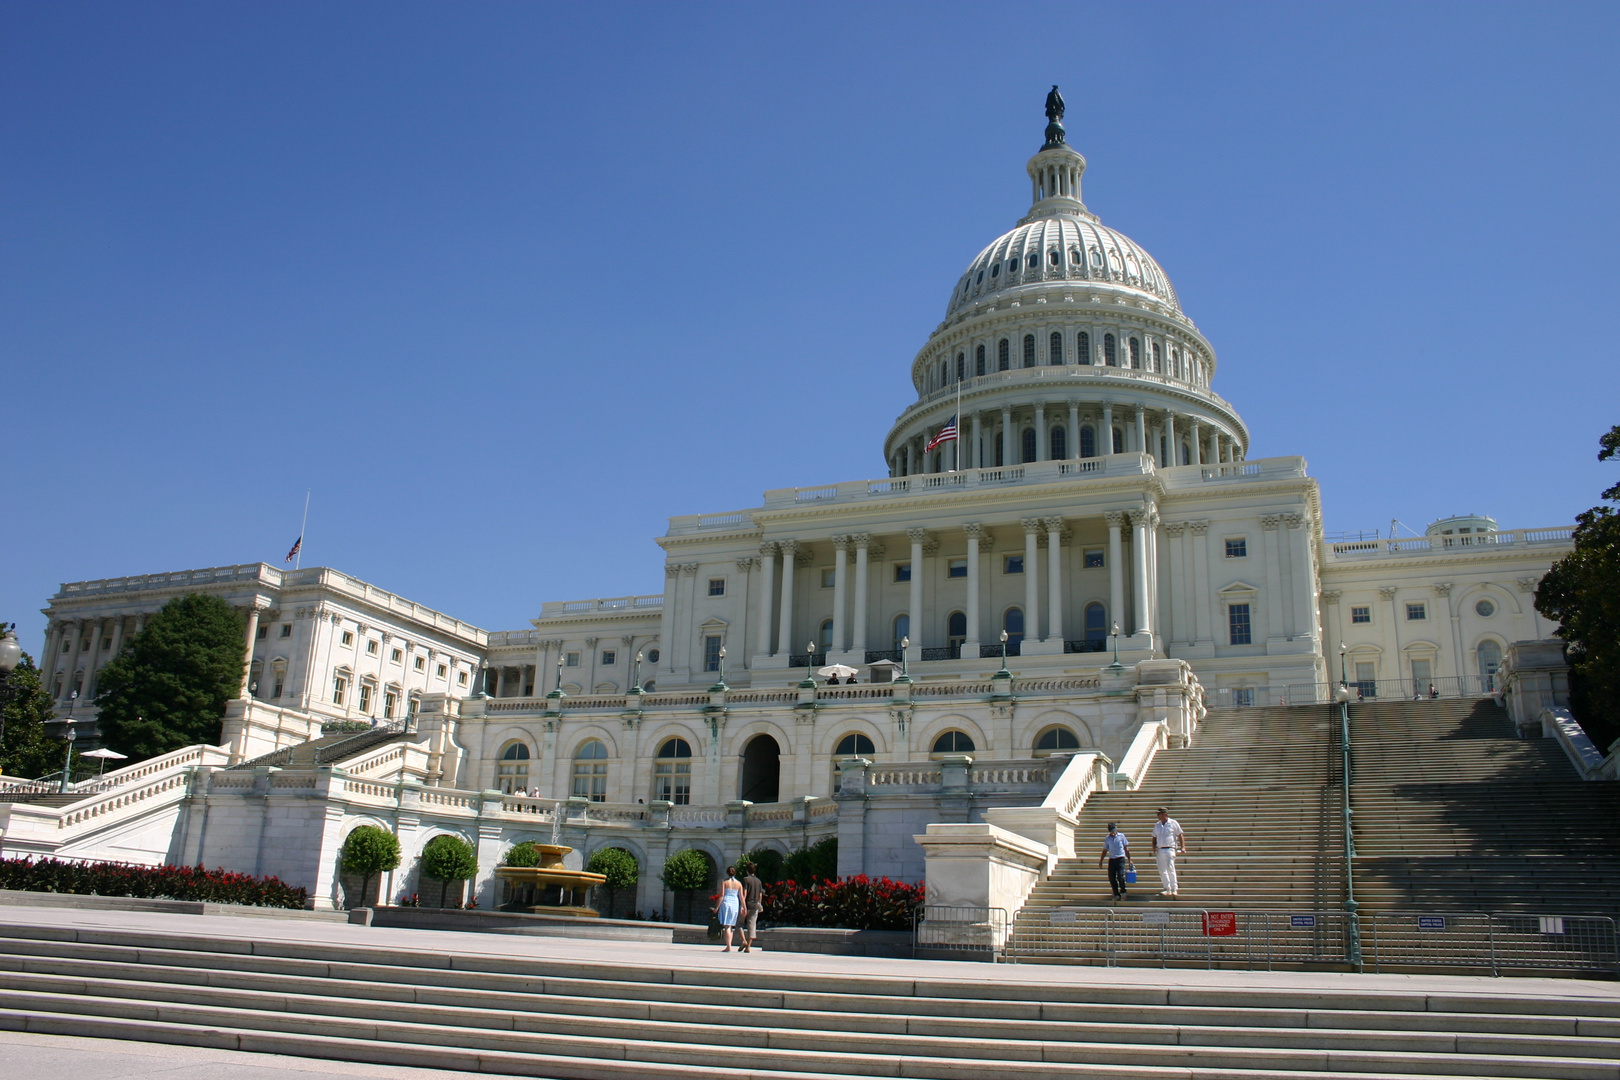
(761, 771)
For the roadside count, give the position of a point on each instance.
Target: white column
(1141, 430)
(77, 630)
(909, 466)
(666, 621)
(1008, 455)
(1196, 438)
(55, 638)
(970, 647)
(1032, 579)
(1139, 584)
(1054, 579)
(1155, 617)
(1271, 555)
(862, 542)
(1116, 567)
(1178, 624)
(1073, 443)
(784, 631)
(1304, 583)
(1170, 440)
(914, 599)
(840, 571)
(976, 447)
(1041, 446)
(1203, 630)
(247, 658)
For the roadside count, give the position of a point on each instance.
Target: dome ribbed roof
(1063, 249)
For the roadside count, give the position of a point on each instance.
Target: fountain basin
(550, 888)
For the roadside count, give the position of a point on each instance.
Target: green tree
(169, 687)
(24, 749)
(767, 864)
(447, 858)
(685, 872)
(818, 862)
(524, 854)
(620, 869)
(1582, 592)
(369, 850)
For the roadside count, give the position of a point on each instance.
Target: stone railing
(555, 609)
(890, 487)
(174, 759)
(1473, 542)
(1582, 752)
(1052, 822)
(1150, 739)
(356, 589)
(262, 573)
(124, 801)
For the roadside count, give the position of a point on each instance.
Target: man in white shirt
(1168, 842)
(1117, 853)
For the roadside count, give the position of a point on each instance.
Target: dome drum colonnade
(1062, 297)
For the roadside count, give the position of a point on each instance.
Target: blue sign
(1302, 920)
(1431, 922)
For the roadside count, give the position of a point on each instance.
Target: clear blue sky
(509, 284)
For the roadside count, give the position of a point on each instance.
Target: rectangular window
(263, 632)
(340, 686)
(371, 648)
(902, 571)
(1014, 564)
(286, 629)
(1422, 677)
(711, 652)
(1361, 614)
(1367, 678)
(1237, 547)
(421, 663)
(365, 698)
(717, 586)
(1237, 624)
(609, 657)
(461, 678)
(442, 671)
(1417, 612)
(1243, 697)
(348, 638)
(672, 781)
(389, 702)
(1092, 559)
(957, 568)
(590, 780)
(829, 577)
(396, 655)
(280, 686)
(573, 659)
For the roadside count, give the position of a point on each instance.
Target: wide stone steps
(566, 1019)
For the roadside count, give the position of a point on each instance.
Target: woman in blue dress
(731, 904)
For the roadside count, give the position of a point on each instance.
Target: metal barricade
(1181, 936)
(945, 928)
(1405, 939)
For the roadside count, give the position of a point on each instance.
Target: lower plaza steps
(640, 1012)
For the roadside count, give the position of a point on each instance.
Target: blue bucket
(1130, 875)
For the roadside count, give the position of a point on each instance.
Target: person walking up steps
(1168, 842)
(730, 904)
(753, 898)
(1117, 852)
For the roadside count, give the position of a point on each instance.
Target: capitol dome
(1062, 247)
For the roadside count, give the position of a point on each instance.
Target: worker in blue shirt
(1116, 853)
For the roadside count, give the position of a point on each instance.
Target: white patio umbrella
(105, 755)
(836, 671)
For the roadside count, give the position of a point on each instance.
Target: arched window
(1490, 661)
(1175, 357)
(854, 743)
(1110, 355)
(1119, 441)
(1082, 346)
(1054, 349)
(1013, 623)
(902, 629)
(1060, 444)
(978, 360)
(1029, 350)
(1034, 260)
(1096, 622)
(590, 770)
(512, 770)
(1186, 454)
(1029, 444)
(999, 451)
(1157, 367)
(961, 367)
(956, 633)
(1088, 441)
(825, 636)
(1002, 354)
(672, 773)
(1136, 353)
(953, 742)
(1056, 738)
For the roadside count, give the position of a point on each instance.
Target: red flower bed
(158, 882)
(854, 903)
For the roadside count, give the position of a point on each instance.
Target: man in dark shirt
(753, 897)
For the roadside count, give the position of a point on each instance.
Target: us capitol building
(1098, 521)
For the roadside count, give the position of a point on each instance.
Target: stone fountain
(550, 888)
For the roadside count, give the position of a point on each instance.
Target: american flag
(297, 544)
(946, 434)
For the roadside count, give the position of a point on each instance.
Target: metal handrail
(1352, 927)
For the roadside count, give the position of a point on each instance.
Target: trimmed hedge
(854, 903)
(151, 882)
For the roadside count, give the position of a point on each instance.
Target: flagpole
(959, 423)
(298, 560)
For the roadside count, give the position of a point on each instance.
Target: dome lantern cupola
(1055, 171)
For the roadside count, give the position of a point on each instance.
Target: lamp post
(10, 656)
(67, 737)
(1116, 666)
(720, 686)
(635, 681)
(1004, 670)
(905, 664)
(1342, 680)
(809, 682)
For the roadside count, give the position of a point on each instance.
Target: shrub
(369, 850)
(524, 854)
(818, 862)
(448, 858)
(767, 864)
(157, 882)
(620, 869)
(685, 872)
(856, 903)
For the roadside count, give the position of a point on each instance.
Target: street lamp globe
(10, 652)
